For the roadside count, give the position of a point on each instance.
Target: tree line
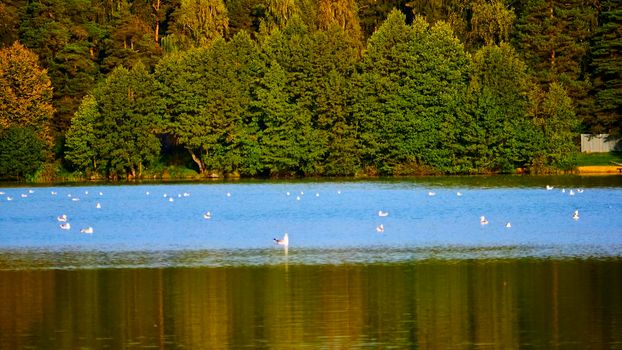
(308, 88)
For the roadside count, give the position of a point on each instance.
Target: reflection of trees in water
(440, 304)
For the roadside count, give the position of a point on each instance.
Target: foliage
(26, 92)
(116, 125)
(410, 85)
(310, 88)
(607, 68)
(498, 136)
(21, 152)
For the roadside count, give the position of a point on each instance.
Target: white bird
(147, 193)
(571, 193)
(88, 230)
(1, 193)
(575, 215)
(24, 195)
(53, 193)
(297, 198)
(75, 199)
(284, 241)
(563, 190)
(580, 190)
(483, 220)
(207, 215)
(508, 225)
(339, 192)
(98, 206)
(228, 194)
(383, 213)
(549, 187)
(186, 194)
(459, 194)
(317, 194)
(62, 218)
(65, 226)
(288, 193)
(31, 191)
(170, 199)
(101, 193)
(431, 193)
(9, 198)
(380, 228)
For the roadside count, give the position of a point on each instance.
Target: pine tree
(607, 70)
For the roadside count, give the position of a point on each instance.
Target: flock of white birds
(65, 224)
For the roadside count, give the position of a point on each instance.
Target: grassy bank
(601, 159)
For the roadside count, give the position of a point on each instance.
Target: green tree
(411, 82)
(81, 139)
(207, 91)
(21, 152)
(500, 136)
(553, 37)
(491, 22)
(607, 70)
(123, 118)
(553, 113)
(200, 22)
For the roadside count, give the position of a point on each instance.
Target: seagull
(170, 199)
(431, 193)
(284, 242)
(9, 198)
(459, 194)
(62, 218)
(383, 213)
(207, 215)
(571, 193)
(98, 206)
(508, 225)
(580, 190)
(288, 193)
(380, 228)
(88, 230)
(549, 187)
(65, 226)
(53, 193)
(575, 215)
(483, 220)
(228, 194)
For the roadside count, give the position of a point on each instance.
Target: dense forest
(139, 88)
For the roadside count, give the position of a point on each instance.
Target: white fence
(591, 143)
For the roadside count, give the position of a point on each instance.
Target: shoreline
(599, 170)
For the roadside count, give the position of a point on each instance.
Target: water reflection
(517, 303)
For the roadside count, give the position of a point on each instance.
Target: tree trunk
(198, 161)
(156, 8)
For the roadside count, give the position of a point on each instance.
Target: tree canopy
(308, 87)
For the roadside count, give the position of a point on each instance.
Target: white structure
(591, 143)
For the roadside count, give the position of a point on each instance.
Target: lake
(156, 273)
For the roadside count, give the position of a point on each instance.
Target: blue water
(327, 222)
